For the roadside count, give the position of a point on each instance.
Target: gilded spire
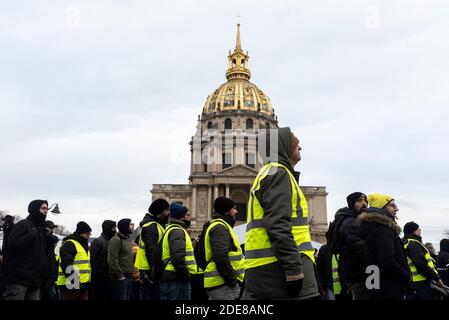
(238, 61)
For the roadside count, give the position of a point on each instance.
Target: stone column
(193, 209)
(209, 202)
(227, 190)
(215, 193)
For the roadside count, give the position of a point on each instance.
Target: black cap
(223, 205)
(158, 206)
(410, 227)
(353, 197)
(82, 227)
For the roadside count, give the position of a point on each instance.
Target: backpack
(334, 240)
(200, 249)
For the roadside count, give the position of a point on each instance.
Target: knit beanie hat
(353, 197)
(177, 211)
(223, 205)
(82, 227)
(410, 227)
(158, 206)
(377, 200)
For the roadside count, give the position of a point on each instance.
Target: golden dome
(238, 93)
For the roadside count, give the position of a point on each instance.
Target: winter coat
(417, 253)
(442, 262)
(150, 237)
(120, 256)
(26, 261)
(324, 267)
(99, 259)
(383, 248)
(52, 264)
(352, 264)
(221, 244)
(68, 252)
(177, 246)
(270, 281)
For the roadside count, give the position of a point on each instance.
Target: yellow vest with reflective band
(80, 263)
(141, 262)
(212, 277)
(415, 274)
(336, 286)
(258, 249)
(190, 258)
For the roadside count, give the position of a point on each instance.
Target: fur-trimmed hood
(379, 216)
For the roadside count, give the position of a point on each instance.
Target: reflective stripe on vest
(336, 286)
(415, 274)
(258, 249)
(189, 259)
(141, 262)
(81, 265)
(212, 277)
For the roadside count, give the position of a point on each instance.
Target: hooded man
(420, 262)
(177, 255)
(442, 262)
(99, 261)
(351, 262)
(26, 270)
(151, 230)
(225, 271)
(121, 260)
(383, 248)
(74, 272)
(279, 257)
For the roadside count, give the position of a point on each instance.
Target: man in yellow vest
(177, 256)
(421, 264)
(74, 268)
(279, 257)
(225, 265)
(151, 230)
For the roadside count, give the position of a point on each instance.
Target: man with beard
(177, 256)
(225, 269)
(99, 261)
(151, 230)
(26, 270)
(351, 262)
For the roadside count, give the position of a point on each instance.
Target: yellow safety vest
(212, 277)
(81, 263)
(258, 249)
(141, 262)
(415, 274)
(336, 285)
(190, 258)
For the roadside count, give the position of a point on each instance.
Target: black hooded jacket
(416, 253)
(383, 248)
(68, 252)
(26, 262)
(352, 263)
(99, 253)
(221, 244)
(150, 236)
(442, 263)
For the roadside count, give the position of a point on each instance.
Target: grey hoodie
(269, 281)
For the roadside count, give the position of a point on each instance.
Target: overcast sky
(98, 99)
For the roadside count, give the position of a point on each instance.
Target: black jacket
(383, 248)
(177, 246)
(150, 236)
(68, 252)
(52, 264)
(417, 253)
(324, 267)
(442, 262)
(26, 261)
(221, 244)
(352, 263)
(99, 259)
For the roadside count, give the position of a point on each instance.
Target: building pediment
(237, 170)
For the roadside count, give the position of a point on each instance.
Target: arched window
(249, 124)
(209, 125)
(228, 124)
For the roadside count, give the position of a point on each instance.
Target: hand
(440, 283)
(294, 287)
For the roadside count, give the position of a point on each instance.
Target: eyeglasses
(393, 205)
